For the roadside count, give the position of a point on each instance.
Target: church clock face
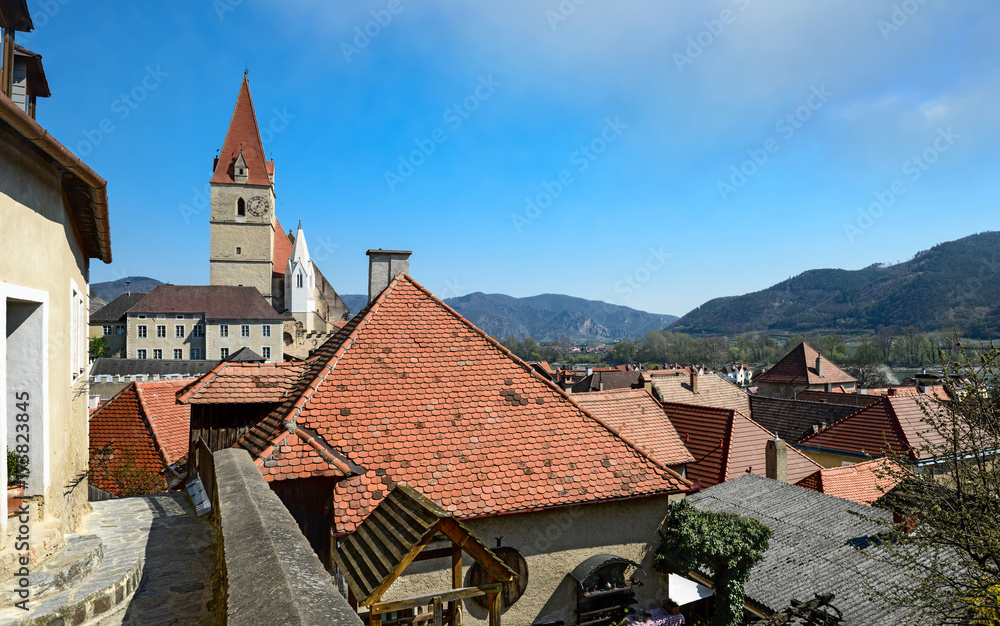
(258, 206)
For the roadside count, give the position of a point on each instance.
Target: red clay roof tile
(243, 135)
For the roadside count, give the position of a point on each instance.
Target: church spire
(243, 139)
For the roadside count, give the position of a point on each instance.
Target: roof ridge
(839, 423)
(101, 407)
(148, 420)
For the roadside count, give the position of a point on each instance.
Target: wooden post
(495, 600)
(7, 75)
(375, 619)
(456, 582)
(438, 618)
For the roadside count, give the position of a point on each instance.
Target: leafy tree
(727, 544)
(99, 347)
(885, 339)
(623, 352)
(124, 476)
(950, 538)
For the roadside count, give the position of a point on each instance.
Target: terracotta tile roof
(244, 383)
(400, 390)
(727, 444)
(145, 420)
(282, 249)
(859, 482)
(893, 422)
(244, 135)
(713, 390)
(215, 302)
(637, 416)
(857, 400)
(799, 368)
(792, 420)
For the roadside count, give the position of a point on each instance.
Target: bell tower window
(241, 208)
(299, 279)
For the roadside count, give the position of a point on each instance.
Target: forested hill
(953, 283)
(547, 317)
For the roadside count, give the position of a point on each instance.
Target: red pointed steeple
(244, 135)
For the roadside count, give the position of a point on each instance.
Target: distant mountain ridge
(547, 317)
(956, 283)
(110, 290)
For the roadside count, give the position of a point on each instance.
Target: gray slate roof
(812, 547)
(150, 367)
(793, 419)
(244, 355)
(610, 380)
(114, 311)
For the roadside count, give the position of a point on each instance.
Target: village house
(54, 212)
(699, 389)
(181, 322)
(863, 482)
(140, 433)
(801, 369)
(110, 323)
(727, 444)
(401, 396)
(895, 423)
(606, 380)
(793, 420)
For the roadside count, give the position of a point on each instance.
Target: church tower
(300, 285)
(242, 223)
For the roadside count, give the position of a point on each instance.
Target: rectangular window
(223, 330)
(141, 316)
(107, 330)
(179, 317)
(239, 250)
(196, 353)
(157, 354)
(120, 329)
(245, 330)
(198, 331)
(224, 353)
(265, 330)
(179, 331)
(140, 354)
(140, 331)
(161, 316)
(161, 331)
(266, 352)
(178, 354)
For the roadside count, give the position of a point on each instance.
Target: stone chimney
(383, 266)
(777, 460)
(819, 365)
(694, 380)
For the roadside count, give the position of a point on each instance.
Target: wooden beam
(438, 618)
(476, 550)
(424, 600)
(456, 582)
(440, 553)
(398, 570)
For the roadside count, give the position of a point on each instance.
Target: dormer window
(241, 208)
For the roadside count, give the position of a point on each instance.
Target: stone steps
(81, 555)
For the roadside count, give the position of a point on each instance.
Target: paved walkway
(179, 553)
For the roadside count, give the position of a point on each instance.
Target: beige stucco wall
(553, 544)
(253, 235)
(831, 460)
(43, 252)
(210, 344)
(116, 342)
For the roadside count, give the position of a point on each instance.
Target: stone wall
(271, 574)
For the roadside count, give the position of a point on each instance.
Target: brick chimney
(819, 365)
(777, 460)
(694, 380)
(383, 266)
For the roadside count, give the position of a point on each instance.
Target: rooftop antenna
(246, 69)
(127, 290)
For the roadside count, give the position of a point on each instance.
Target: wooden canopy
(391, 538)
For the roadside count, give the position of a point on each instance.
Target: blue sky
(672, 151)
